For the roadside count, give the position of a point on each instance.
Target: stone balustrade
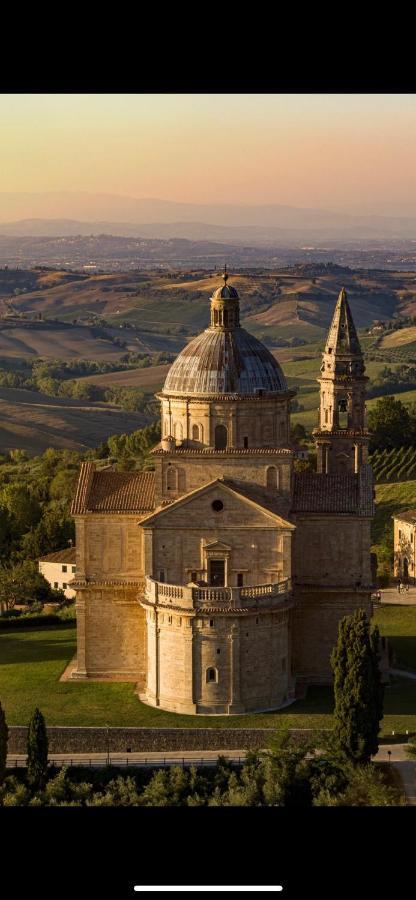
(190, 597)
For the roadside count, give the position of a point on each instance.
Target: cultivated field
(31, 421)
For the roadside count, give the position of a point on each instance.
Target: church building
(216, 581)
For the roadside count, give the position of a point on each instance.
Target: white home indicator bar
(206, 887)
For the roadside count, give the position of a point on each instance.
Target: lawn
(398, 624)
(31, 663)
(391, 498)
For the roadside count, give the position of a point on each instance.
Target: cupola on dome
(225, 358)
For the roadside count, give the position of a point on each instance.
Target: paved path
(403, 673)
(405, 766)
(148, 759)
(391, 595)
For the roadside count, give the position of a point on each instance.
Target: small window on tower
(212, 674)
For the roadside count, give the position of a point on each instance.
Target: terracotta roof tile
(333, 493)
(65, 556)
(110, 492)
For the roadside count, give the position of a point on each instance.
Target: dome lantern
(225, 306)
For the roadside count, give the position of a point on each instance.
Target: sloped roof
(113, 492)
(408, 515)
(64, 556)
(315, 492)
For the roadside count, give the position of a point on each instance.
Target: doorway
(217, 572)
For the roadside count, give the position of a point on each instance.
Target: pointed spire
(342, 336)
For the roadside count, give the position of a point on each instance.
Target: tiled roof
(113, 492)
(346, 494)
(229, 451)
(408, 515)
(64, 556)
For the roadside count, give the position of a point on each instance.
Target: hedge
(34, 622)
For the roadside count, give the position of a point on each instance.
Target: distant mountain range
(64, 214)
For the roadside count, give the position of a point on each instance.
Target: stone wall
(94, 740)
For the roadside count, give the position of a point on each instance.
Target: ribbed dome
(225, 292)
(224, 362)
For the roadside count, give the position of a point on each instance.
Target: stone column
(81, 669)
(188, 670)
(235, 705)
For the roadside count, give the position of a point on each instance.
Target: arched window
(272, 478)
(212, 675)
(172, 478)
(195, 432)
(221, 437)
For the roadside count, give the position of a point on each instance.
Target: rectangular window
(193, 576)
(64, 586)
(400, 534)
(217, 572)
(56, 585)
(211, 623)
(240, 579)
(64, 568)
(245, 442)
(162, 575)
(73, 568)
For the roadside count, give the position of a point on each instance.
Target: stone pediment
(217, 546)
(217, 487)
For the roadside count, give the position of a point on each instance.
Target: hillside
(299, 299)
(32, 422)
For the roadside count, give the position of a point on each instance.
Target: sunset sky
(320, 150)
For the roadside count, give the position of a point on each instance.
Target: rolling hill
(33, 422)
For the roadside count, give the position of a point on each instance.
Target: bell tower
(342, 436)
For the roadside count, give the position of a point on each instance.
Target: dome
(225, 292)
(224, 361)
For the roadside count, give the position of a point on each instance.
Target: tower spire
(342, 335)
(342, 437)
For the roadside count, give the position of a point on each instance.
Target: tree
(23, 583)
(24, 509)
(37, 751)
(391, 424)
(4, 736)
(357, 687)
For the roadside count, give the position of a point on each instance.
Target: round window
(217, 505)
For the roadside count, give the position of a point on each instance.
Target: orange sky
(303, 150)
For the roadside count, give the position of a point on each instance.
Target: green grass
(398, 624)
(33, 661)
(390, 499)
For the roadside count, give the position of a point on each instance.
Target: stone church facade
(217, 581)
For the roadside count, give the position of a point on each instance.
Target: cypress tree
(4, 735)
(37, 751)
(357, 687)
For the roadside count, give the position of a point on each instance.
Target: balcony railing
(188, 597)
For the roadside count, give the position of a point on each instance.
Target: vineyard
(398, 464)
